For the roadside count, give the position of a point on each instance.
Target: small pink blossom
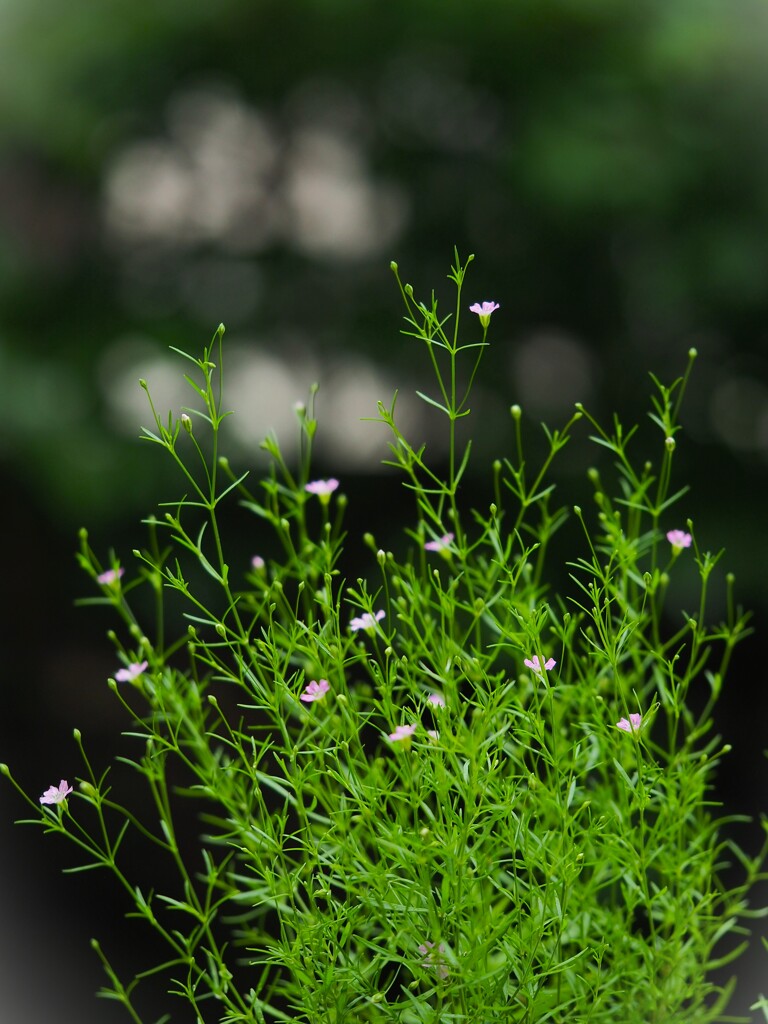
(443, 544)
(679, 539)
(323, 488)
(56, 794)
(436, 699)
(535, 666)
(315, 690)
(134, 670)
(432, 958)
(367, 620)
(402, 733)
(110, 577)
(257, 563)
(484, 310)
(631, 725)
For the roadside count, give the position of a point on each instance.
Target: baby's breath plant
(439, 789)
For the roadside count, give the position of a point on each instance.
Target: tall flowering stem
(438, 497)
(425, 323)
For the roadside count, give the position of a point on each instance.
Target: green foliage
(500, 807)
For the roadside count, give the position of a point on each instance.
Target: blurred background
(167, 166)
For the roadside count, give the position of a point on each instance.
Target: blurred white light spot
(148, 193)
(222, 176)
(208, 180)
(336, 209)
(224, 134)
(351, 392)
(262, 387)
(263, 384)
(124, 362)
(233, 153)
(551, 370)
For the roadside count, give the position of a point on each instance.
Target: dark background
(167, 166)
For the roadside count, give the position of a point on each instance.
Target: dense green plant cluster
(441, 792)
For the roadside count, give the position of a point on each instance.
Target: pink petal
(402, 732)
(315, 690)
(109, 577)
(322, 486)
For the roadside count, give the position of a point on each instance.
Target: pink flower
(633, 725)
(367, 620)
(484, 310)
(402, 733)
(436, 699)
(432, 958)
(535, 666)
(323, 488)
(56, 794)
(439, 545)
(315, 691)
(257, 563)
(110, 577)
(679, 539)
(134, 670)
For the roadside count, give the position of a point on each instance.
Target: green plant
(444, 791)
